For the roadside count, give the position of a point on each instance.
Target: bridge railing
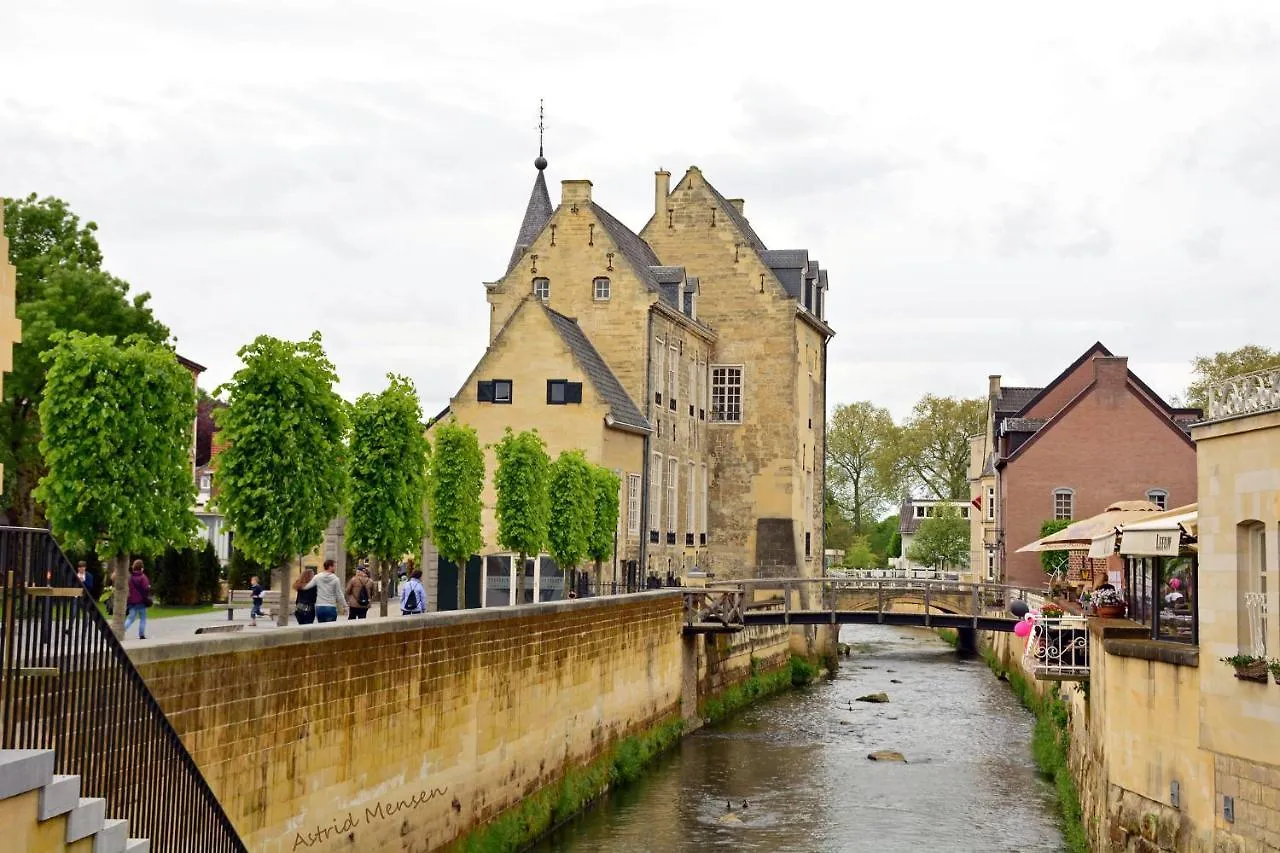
(66, 684)
(1058, 649)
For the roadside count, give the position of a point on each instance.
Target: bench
(244, 598)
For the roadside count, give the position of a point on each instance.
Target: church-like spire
(538, 211)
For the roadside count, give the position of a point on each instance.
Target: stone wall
(10, 326)
(403, 734)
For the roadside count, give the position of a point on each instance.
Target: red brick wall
(1111, 446)
(1066, 390)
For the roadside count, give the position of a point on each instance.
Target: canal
(799, 761)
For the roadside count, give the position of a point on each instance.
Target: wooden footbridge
(725, 606)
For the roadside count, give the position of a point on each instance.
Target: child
(256, 597)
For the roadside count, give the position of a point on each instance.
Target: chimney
(993, 386)
(1110, 374)
(737, 204)
(575, 192)
(661, 189)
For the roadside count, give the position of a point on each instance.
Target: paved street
(177, 629)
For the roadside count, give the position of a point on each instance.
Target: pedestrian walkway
(181, 629)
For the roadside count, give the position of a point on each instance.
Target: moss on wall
(758, 685)
(1050, 747)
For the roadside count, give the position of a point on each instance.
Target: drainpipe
(822, 476)
(644, 463)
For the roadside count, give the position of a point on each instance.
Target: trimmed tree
(388, 478)
(573, 503)
(117, 437)
(283, 475)
(604, 525)
(457, 480)
(522, 481)
(1053, 561)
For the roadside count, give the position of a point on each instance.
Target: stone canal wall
(402, 734)
(407, 734)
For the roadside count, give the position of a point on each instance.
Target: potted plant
(1274, 666)
(1107, 603)
(1049, 610)
(1248, 667)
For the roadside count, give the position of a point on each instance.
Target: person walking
(359, 594)
(413, 598)
(304, 602)
(255, 597)
(329, 597)
(139, 599)
(82, 575)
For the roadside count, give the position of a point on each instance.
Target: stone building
(688, 358)
(10, 326)
(1094, 435)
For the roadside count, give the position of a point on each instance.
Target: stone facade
(10, 326)
(1095, 435)
(715, 345)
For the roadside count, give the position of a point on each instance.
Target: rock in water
(894, 681)
(878, 698)
(887, 755)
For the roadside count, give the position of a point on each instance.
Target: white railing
(1058, 649)
(1241, 395)
(898, 574)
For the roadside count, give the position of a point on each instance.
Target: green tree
(389, 454)
(573, 498)
(175, 576)
(116, 441)
(522, 481)
(240, 568)
(457, 480)
(837, 531)
(931, 450)
(210, 577)
(941, 541)
(895, 545)
(283, 474)
(604, 524)
(859, 554)
(861, 438)
(61, 288)
(1210, 370)
(1052, 561)
(881, 538)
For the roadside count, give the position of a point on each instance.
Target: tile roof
(1013, 398)
(536, 216)
(748, 233)
(639, 253)
(668, 275)
(621, 407)
(790, 266)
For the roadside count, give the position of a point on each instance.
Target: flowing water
(800, 762)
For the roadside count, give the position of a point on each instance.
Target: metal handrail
(66, 684)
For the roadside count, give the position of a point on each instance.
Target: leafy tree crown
(522, 481)
(605, 522)
(573, 498)
(942, 540)
(457, 480)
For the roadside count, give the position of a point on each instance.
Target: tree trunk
(383, 568)
(120, 593)
(599, 576)
(286, 588)
(518, 592)
(462, 584)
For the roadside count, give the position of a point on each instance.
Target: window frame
(1070, 495)
(571, 391)
(634, 491)
(596, 290)
(1159, 497)
(673, 375)
(657, 464)
(718, 416)
(545, 297)
(673, 499)
(991, 503)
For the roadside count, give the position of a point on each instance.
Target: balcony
(1245, 395)
(1058, 649)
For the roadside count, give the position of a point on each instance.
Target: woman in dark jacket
(304, 605)
(139, 599)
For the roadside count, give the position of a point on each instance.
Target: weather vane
(541, 162)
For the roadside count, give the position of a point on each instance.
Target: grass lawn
(164, 611)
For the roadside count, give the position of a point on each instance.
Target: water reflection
(800, 763)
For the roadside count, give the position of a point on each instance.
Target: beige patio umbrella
(1080, 535)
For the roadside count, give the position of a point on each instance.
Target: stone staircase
(44, 813)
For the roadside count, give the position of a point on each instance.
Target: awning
(1103, 546)
(1079, 535)
(1158, 537)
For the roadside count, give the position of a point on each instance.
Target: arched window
(601, 287)
(542, 288)
(1159, 497)
(1064, 504)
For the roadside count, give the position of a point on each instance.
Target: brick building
(688, 358)
(1095, 435)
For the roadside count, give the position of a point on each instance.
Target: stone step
(137, 845)
(59, 796)
(112, 838)
(23, 770)
(86, 818)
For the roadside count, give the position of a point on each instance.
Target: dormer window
(688, 304)
(542, 288)
(601, 288)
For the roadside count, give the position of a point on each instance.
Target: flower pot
(1256, 671)
(1109, 611)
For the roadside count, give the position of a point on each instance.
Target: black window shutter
(573, 392)
(484, 391)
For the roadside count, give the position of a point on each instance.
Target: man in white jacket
(413, 598)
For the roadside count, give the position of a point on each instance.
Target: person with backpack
(413, 598)
(359, 594)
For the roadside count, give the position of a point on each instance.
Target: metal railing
(1242, 395)
(1058, 649)
(66, 684)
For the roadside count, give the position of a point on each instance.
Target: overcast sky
(993, 186)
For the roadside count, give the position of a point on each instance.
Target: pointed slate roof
(637, 252)
(748, 233)
(536, 216)
(621, 407)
